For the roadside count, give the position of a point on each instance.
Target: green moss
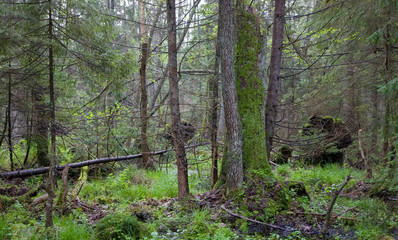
(337, 121)
(250, 92)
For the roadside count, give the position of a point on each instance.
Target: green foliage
(375, 219)
(131, 184)
(117, 226)
(225, 233)
(5, 232)
(70, 229)
(317, 177)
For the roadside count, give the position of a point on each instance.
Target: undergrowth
(361, 217)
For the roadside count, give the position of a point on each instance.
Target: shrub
(117, 226)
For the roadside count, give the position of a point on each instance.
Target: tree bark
(144, 95)
(183, 187)
(388, 78)
(271, 108)
(3, 134)
(179, 44)
(214, 114)
(51, 176)
(41, 125)
(9, 120)
(233, 157)
(250, 90)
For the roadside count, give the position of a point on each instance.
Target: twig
(339, 215)
(330, 208)
(323, 214)
(255, 221)
(274, 163)
(369, 173)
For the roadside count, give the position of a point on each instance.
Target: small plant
(224, 233)
(117, 226)
(5, 232)
(69, 229)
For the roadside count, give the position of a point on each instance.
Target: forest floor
(290, 206)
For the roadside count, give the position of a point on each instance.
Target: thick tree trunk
(233, 156)
(250, 90)
(271, 108)
(182, 166)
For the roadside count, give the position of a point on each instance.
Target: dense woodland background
(245, 86)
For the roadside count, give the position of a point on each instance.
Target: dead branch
(255, 221)
(324, 214)
(330, 208)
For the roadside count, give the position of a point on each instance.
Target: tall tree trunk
(232, 165)
(9, 119)
(271, 108)
(51, 177)
(388, 78)
(214, 114)
(250, 90)
(179, 44)
(182, 166)
(144, 95)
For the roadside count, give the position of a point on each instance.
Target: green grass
(130, 185)
(5, 232)
(373, 217)
(316, 177)
(134, 184)
(19, 224)
(67, 228)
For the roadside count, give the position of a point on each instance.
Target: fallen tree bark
(42, 170)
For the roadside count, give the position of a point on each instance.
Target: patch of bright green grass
(130, 185)
(67, 228)
(316, 177)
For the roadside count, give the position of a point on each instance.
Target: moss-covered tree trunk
(250, 90)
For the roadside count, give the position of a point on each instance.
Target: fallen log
(42, 170)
